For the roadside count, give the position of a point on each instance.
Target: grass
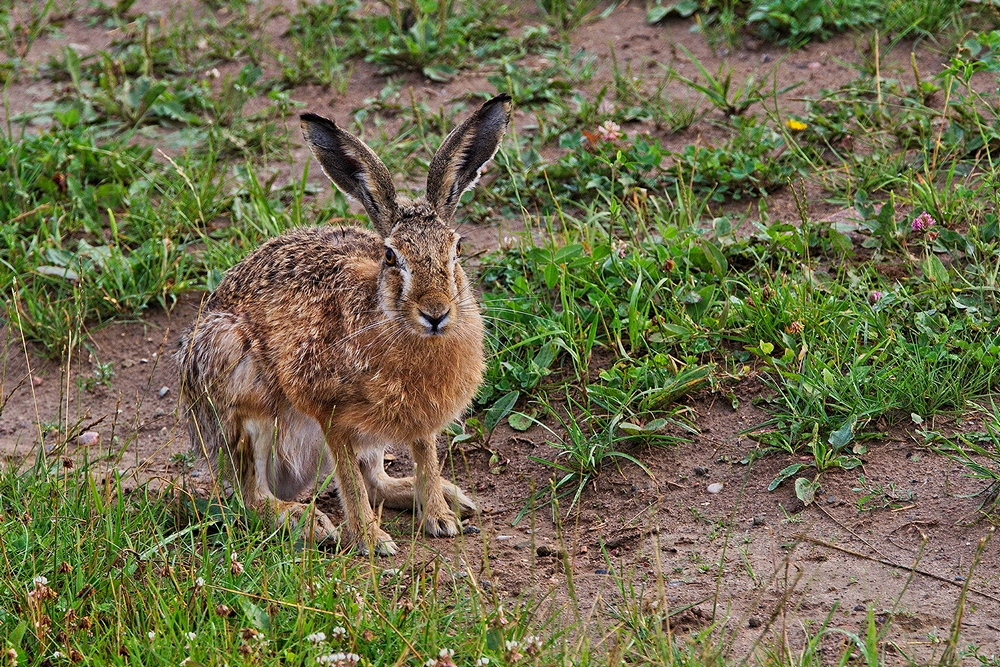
(642, 277)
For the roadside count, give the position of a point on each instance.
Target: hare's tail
(213, 361)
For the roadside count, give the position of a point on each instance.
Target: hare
(348, 337)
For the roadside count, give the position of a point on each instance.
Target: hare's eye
(458, 247)
(390, 257)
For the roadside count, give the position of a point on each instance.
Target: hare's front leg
(362, 530)
(437, 518)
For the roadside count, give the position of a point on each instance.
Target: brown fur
(342, 335)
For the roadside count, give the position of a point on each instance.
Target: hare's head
(421, 281)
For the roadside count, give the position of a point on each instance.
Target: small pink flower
(874, 297)
(923, 222)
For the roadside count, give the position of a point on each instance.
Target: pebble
(164, 390)
(715, 488)
(859, 607)
(814, 65)
(36, 381)
(759, 520)
(164, 432)
(158, 412)
(701, 472)
(832, 500)
(504, 538)
(754, 622)
(88, 438)
(522, 545)
(545, 550)
(602, 570)
(144, 360)
(391, 572)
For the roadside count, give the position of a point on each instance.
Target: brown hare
(355, 338)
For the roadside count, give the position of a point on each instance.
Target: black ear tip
(311, 118)
(502, 98)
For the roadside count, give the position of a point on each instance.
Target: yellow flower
(795, 125)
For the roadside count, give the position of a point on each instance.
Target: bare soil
(755, 561)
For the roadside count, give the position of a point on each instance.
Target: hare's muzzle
(434, 316)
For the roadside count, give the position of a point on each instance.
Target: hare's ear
(457, 164)
(354, 168)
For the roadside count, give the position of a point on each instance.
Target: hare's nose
(434, 322)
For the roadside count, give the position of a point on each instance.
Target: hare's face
(422, 284)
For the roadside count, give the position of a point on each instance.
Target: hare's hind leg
(398, 492)
(273, 459)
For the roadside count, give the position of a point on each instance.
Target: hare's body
(343, 337)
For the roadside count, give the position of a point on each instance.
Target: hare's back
(301, 261)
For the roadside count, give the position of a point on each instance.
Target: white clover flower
(58, 655)
(200, 582)
(609, 131)
(151, 635)
(40, 581)
(316, 637)
(447, 653)
(185, 661)
(338, 659)
(338, 632)
(511, 644)
(482, 662)
(191, 636)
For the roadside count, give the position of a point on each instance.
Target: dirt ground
(783, 566)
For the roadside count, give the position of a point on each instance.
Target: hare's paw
(439, 521)
(316, 527)
(381, 544)
(457, 499)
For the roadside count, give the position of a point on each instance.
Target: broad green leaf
(785, 474)
(805, 490)
(500, 409)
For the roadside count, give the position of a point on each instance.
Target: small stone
(158, 412)
(164, 432)
(89, 438)
(128, 363)
(144, 360)
(754, 622)
(701, 472)
(716, 487)
(545, 550)
(522, 545)
(164, 390)
(602, 570)
(504, 538)
(766, 58)
(759, 520)
(36, 381)
(832, 500)
(859, 607)
(582, 551)
(391, 572)
(814, 65)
